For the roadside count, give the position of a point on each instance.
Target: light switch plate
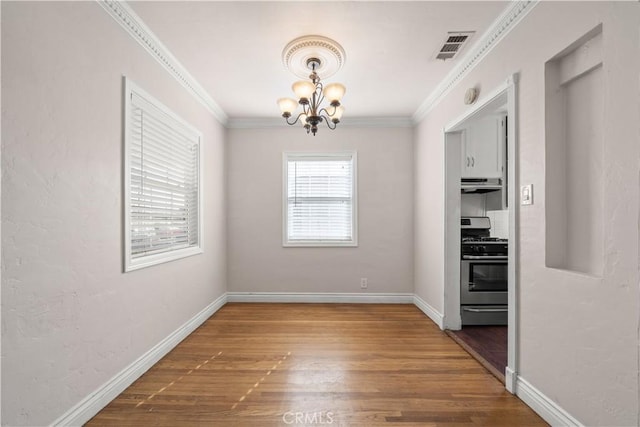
(526, 194)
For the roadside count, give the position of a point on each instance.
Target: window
(163, 204)
(320, 201)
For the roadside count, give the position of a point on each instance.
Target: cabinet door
(482, 150)
(467, 153)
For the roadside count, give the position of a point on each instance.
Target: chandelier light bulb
(287, 105)
(303, 89)
(334, 92)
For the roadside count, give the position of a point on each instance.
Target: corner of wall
(431, 312)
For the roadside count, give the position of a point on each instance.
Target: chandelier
(313, 54)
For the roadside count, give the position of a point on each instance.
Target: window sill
(320, 244)
(151, 260)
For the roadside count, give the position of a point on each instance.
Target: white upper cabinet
(483, 144)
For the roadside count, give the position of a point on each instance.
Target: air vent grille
(450, 47)
(453, 44)
(457, 39)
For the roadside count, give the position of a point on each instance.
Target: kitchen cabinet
(483, 148)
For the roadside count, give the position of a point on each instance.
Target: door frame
(506, 93)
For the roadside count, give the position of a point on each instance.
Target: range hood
(480, 185)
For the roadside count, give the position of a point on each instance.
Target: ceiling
(233, 49)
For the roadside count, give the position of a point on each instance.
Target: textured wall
(71, 319)
(578, 336)
(257, 262)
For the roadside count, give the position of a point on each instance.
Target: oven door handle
(485, 257)
(485, 310)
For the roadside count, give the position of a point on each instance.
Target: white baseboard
(549, 410)
(303, 297)
(431, 312)
(510, 380)
(93, 403)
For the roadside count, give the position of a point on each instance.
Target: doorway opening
(488, 194)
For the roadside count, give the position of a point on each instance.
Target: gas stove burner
(483, 239)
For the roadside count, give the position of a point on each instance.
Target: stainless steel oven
(483, 274)
(483, 281)
(483, 292)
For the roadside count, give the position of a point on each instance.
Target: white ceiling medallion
(298, 52)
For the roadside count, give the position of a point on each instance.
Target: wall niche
(574, 143)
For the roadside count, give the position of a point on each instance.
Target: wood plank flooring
(317, 364)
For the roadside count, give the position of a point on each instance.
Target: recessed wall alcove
(574, 119)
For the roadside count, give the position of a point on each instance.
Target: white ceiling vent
(453, 44)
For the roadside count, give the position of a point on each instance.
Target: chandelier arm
(318, 96)
(335, 108)
(295, 121)
(328, 121)
(320, 100)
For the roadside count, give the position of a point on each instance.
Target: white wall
(257, 262)
(578, 334)
(71, 319)
(473, 204)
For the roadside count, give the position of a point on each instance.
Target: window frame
(286, 156)
(130, 263)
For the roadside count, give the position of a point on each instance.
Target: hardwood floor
(488, 344)
(317, 364)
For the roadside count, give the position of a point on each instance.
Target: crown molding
(255, 123)
(138, 30)
(346, 122)
(377, 122)
(507, 21)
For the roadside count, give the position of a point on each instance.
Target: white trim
(321, 297)
(510, 380)
(431, 312)
(451, 211)
(377, 122)
(138, 30)
(347, 122)
(549, 410)
(508, 20)
(177, 123)
(459, 122)
(84, 410)
(505, 93)
(513, 193)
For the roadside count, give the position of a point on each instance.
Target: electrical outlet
(364, 283)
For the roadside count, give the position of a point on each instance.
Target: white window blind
(320, 199)
(163, 183)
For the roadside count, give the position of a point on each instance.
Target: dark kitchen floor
(488, 344)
